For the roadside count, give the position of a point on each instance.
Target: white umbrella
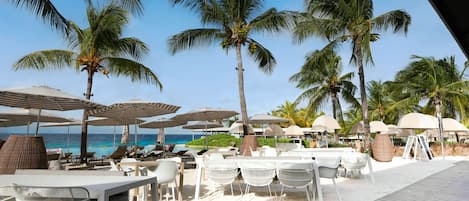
(417, 121)
(135, 108)
(19, 117)
(451, 125)
(202, 125)
(73, 122)
(327, 122)
(161, 124)
(238, 128)
(274, 130)
(392, 129)
(204, 114)
(103, 121)
(265, 119)
(378, 127)
(43, 97)
(294, 130)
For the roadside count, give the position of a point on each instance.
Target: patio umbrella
(134, 108)
(202, 125)
(205, 114)
(294, 130)
(73, 122)
(266, 119)
(102, 121)
(392, 129)
(274, 130)
(21, 117)
(327, 122)
(238, 128)
(161, 124)
(43, 97)
(417, 121)
(452, 125)
(375, 126)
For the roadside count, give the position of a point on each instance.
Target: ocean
(103, 144)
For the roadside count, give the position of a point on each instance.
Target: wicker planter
(22, 152)
(382, 148)
(249, 141)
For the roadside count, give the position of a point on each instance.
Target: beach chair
(119, 153)
(166, 173)
(296, 175)
(329, 171)
(257, 174)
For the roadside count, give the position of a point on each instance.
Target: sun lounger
(119, 153)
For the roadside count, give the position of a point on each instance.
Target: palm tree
(233, 22)
(289, 111)
(437, 83)
(98, 48)
(47, 11)
(353, 21)
(322, 81)
(379, 100)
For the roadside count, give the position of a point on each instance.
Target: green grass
(224, 140)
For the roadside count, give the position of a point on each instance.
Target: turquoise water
(103, 144)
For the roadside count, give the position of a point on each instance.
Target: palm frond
(46, 60)
(274, 21)
(134, 6)
(131, 46)
(137, 72)
(262, 56)
(46, 10)
(193, 38)
(397, 20)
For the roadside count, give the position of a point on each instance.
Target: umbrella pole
(136, 134)
(114, 138)
(68, 138)
(206, 137)
(37, 121)
(27, 127)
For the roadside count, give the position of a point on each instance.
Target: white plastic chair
(114, 166)
(221, 173)
(257, 174)
(329, 171)
(270, 152)
(166, 174)
(354, 162)
(296, 175)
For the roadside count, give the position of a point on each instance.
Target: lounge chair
(119, 153)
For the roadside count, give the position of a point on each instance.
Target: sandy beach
(389, 177)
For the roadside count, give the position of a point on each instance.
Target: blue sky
(206, 77)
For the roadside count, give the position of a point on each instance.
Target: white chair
(257, 174)
(215, 156)
(166, 174)
(329, 171)
(114, 166)
(296, 175)
(221, 173)
(270, 152)
(354, 162)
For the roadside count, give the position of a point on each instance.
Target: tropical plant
(98, 48)
(47, 11)
(234, 22)
(320, 77)
(351, 20)
(289, 111)
(435, 82)
(380, 102)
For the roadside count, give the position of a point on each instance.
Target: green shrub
(217, 140)
(337, 145)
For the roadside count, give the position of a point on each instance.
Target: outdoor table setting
(101, 188)
(144, 164)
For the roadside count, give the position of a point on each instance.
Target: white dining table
(276, 160)
(100, 188)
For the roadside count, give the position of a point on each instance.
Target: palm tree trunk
(361, 75)
(437, 102)
(334, 111)
(84, 124)
(242, 98)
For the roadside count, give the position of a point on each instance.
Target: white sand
(389, 177)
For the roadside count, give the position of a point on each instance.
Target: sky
(206, 77)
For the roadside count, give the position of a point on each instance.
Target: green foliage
(271, 141)
(337, 145)
(217, 140)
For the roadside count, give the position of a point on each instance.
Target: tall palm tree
(320, 77)
(47, 11)
(289, 111)
(437, 83)
(352, 21)
(98, 48)
(380, 100)
(233, 22)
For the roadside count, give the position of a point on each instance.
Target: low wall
(450, 150)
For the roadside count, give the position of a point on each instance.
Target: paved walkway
(448, 185)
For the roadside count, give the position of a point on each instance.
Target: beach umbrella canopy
(375, 126)
(43, 97)
(103, 121)
(392, 129)
(451, 125)
(294, 130)
(135, 108)
(238, 128)
(202, 125)
(265, 119)
(273, 130)
(30, 115)
(417, 121)
(161, 124)
(204, 114)
(327, 122)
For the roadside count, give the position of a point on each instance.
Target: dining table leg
(370, 167)
(197, 183)
(153, 189)
(318, 181)
(181, 181)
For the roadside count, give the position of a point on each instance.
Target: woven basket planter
(249, 142)
(22, 152)
(383, 148)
